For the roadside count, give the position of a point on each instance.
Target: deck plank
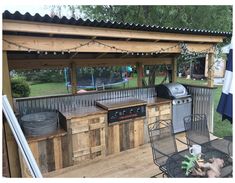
(137, 162)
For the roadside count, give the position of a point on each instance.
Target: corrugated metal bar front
(203, 102)
(67, 103)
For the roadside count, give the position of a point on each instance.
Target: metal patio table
(173, 164)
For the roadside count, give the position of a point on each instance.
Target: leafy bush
(43, 75)
(20, 88)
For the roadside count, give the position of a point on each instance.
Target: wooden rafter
(47, 28)
(50, 63)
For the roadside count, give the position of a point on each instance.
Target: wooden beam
(174, 70)
(74, 78)
(140, 73)
(6, 87)
(48, 28)
(101, 55)
(210, 78)
(60, 63)
(12, 148)
(59, 44)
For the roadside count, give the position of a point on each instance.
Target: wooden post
(210, 78)
(174, 70)
(74, 78)
(12, 148)
(139, 68)
(6, 82)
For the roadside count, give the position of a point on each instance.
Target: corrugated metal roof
(108, 24)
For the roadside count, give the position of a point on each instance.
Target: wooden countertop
(93, 110)
(157, 100)
(84, 111)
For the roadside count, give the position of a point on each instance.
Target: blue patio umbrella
(225, 106)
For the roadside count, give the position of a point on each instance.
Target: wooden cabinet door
(88, 137)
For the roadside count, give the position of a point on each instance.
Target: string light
(185, 52)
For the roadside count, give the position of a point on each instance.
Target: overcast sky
(32, 9)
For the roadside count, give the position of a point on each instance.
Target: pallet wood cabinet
(161, 109)
(125, 135)
(157, 109)
(50, 153)
(87, 136)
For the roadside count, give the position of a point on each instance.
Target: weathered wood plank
(34, 148)
(121, 137)
(42, 148)
(131, 134)
(57, 153)
(136, 134)
(110, 142)
(65, 149)
(116, 141)
(50, 155)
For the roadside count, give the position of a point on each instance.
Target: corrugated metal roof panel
(108, 24)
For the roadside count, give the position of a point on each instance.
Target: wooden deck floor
(134, 163)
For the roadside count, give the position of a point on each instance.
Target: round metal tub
(42, 123)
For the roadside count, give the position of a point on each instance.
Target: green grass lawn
(47, 89)
(221, 128)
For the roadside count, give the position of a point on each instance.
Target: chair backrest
(196, 129)
(162, 141)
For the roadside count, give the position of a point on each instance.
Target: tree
(218, 18)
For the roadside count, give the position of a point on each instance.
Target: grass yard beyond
(42, 89)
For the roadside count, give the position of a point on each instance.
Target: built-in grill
(123, 108)
(181, 103)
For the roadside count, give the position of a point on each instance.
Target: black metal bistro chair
(196, 129)
(197, 132)
(162, 142)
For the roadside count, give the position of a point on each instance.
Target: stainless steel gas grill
(181, 103)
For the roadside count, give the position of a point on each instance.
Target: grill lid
(171, 90)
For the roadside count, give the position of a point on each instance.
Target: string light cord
(92, 42)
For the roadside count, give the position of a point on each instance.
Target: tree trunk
(152, 75)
